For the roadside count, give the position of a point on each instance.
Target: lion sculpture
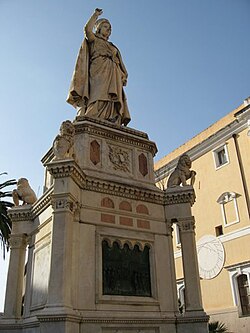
(23, 192)
(63, 143)
(182, 172)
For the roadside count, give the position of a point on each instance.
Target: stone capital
(186, 224)
(18, 241)
(20, 213)
(179, 195)
(63, 202)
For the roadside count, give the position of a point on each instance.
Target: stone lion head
(184, 162)
(67, 128)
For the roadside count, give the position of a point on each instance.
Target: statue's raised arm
(96, 88)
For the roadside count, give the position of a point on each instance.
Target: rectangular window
(221, 156)
(218, 230)
(244, 294)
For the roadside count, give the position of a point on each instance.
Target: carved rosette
(119, 158)
(186, 224)
(18, 241)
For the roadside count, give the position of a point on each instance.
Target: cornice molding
(106, 124)
(42, 203)
(119, 189)
(115, 133)
(67, 168)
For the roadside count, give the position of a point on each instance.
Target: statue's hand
(98, 11)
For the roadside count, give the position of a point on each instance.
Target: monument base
(99, 241)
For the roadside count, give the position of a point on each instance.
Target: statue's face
(105, 30)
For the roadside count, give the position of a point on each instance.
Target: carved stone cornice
(42, 203)
(18, 241)
(179, 195)
(64, 202)
(186, 224)
(114, 132)
(21, 213)
(86, 121)
(58, 317)
(67, 168)
(131, 321)
(122, 190)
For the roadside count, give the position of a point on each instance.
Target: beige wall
(210, 184)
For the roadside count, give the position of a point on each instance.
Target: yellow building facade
(221, 158)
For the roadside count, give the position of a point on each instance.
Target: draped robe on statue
(96, 87)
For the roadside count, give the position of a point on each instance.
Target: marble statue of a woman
(96, 88)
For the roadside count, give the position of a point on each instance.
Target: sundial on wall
(211, 256)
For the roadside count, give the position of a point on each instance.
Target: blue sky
(188, 65)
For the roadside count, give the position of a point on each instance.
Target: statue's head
(185, 161)
(67, 128)
(103, 28)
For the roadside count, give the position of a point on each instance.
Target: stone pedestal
(100, 245)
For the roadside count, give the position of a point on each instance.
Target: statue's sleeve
(79, 86)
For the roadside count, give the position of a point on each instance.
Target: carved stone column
(67, 182)
(193, 301)
(178, 202)
(21, 223)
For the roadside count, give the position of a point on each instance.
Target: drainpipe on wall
(242, 173)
